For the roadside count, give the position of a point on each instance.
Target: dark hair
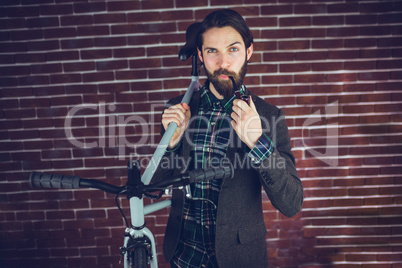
(223, 18)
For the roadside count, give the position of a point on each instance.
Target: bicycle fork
(138, 232)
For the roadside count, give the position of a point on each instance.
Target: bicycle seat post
(194, 65)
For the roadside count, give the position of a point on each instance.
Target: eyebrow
(235, 43)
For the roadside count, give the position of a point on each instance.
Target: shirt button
(212, 123)
(203, 265)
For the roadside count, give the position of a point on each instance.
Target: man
(223, 225)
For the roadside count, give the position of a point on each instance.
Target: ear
(200, 55)
(250, 50)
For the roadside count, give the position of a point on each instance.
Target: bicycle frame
(140, 237)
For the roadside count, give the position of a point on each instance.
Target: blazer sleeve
(277, 172)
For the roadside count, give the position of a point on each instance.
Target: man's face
(224, 54)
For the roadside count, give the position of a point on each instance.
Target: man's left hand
(246, 122)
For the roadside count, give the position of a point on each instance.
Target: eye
(211, 50)
(233, 49)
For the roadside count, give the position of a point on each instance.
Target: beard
(227, 88)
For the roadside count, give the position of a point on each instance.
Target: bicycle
(139, 244)
(139, 248)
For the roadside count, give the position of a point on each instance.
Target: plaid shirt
(196, 247)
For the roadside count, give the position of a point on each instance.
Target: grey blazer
(240, 228)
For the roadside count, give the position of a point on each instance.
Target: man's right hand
(180, 114)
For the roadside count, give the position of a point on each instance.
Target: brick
(93, 30)
(125, 29)
(128, 75)
(143, 40)
(359, 87)
(15, 70)
(343, 31)
(309, 78)
(389, 41)
(76, 20)
(42, 22)
(262, 22)
(89, 7)
(12, 23)
(123, 6)
(110, 41)
(331, 43)
(361, 19)
(158, 3)
(373, 76)
(276, 34)
(328, 20)
(111, 65)
(360, 65)
(297, 67)
(343, 8)
(389, 64)
(61, 56)
(345, 77)
(31, 11)
(32, 57)
(78, 66)
(77, 43)
(278, 79)
(327, 66)
(376, 31)
(128, 52)
(46, 68)
(360, 42)
(277, 9)
(26, 35)
(109, 18)
(58, 33)
(287, 45)
(14, 47)
(376, 7)
(60, 9)
(310, 33)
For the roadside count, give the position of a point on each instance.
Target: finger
(186, 106)
(174, 112)
(235, 116)
(167, 121)
(177, 107)
(241, 104)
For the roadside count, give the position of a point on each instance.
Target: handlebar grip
(213, 173)
(54, 181)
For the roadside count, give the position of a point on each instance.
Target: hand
(246, 122)
(180, 114)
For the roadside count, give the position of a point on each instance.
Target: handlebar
(47, 180)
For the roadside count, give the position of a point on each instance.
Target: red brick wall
(335, 67)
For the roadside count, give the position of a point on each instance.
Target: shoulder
(265, 108)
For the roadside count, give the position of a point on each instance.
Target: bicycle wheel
(140, 257)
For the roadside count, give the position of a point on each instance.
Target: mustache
(224, 72)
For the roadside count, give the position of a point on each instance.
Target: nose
(224, 61)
